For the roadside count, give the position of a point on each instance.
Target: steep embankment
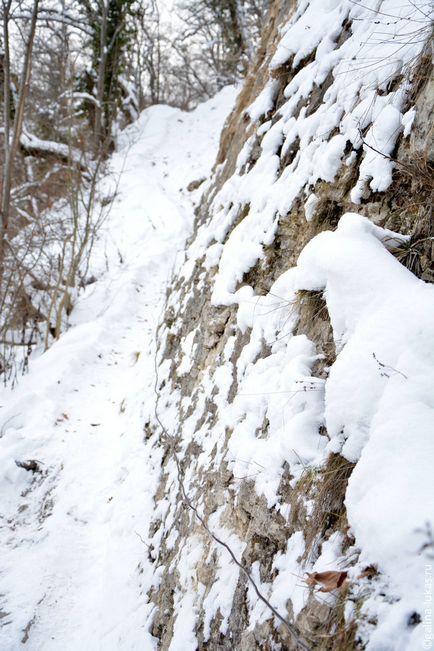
(72, 524)
(295, 361)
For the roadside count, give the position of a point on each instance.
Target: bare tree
(48, 198)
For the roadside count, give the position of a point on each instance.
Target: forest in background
(73, 73)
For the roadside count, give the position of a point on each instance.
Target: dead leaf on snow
(328, 581)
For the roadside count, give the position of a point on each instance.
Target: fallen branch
(34, 146)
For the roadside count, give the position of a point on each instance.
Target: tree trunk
(99, 113)
(18, 118)
(6, 119)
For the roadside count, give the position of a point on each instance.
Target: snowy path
(70, 536)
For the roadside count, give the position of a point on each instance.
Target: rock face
(318, 131)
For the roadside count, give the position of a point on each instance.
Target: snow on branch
(33, 145)
(81, 96)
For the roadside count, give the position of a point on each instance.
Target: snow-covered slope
(292, 433)
(72, 528)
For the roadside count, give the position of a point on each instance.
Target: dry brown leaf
(328, 581)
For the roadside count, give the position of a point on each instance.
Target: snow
(310, 205)
(407, 121)
(381, 137)
(289, 584)
(307, 31)
(77, 564)
(265, 100)
(184, 638)
(364, 107)
(74, 568)
(377, 407)
(187, 350)
(219, 597)
(277, 388)
(374, 401)
(31, 142)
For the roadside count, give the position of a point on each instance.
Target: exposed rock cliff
(284, 403)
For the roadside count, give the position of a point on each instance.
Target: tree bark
(6, 118)
(99, 113)
(18, 121)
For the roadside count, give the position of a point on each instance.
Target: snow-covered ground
(71, 533)
(73, 566)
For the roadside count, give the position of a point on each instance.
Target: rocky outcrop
(280, 517)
